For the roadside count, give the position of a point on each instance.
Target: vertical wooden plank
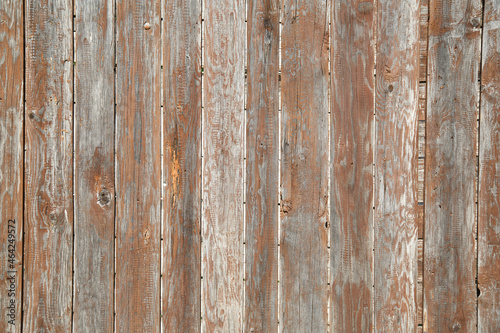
(489, 173)
(352, 107)
(94, 163)
(452, 96)
(182, 166)
(222, 208)
(11, 163)
(262, 142)
(48, 258)
(138, 166)
(304, 168)
(396, 166)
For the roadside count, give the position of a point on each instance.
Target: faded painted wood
(138, 166)
(452, 97)
(95, 164)
(262, 152)
(182, 166)
(48, 259)
(223, 158)
(11, 163)
(304, 167)
(489, 173)
(395, 189)
(352, 108)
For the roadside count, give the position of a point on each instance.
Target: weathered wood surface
(138, 166)
(95, 161)
(262, 152)
(452, 97)
(182, 166)
(11, 163)
(304, 167)
(352, 108)
(395, 191)
(223, 149)
(489, 173)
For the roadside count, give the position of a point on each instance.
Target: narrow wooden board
(11, 163)
(352, 107)
(452, 97)
(48, 257)
(223, 149)
(182, 166)
(489, 173)
(262, 152)
(95, 164)
(395, 198)
(138, 166)
(304, 167)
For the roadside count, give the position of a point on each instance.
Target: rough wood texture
(48, 167)
(262, 142)
(11, 163)
(182, 166)
(452, 96)
(396, 153)
(223, 140)
(489, 173)
(138, 171)
(95, 162)
(352, 107)
(304, 167)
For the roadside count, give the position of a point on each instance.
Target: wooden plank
(304, 167)
(489, 173)
(396, 177)
(94, 162)
(262, 142)
(352, 107)
(138, 166)
(182, 166)
(452, 96)
(11, 163)
(423, 35)
(223, 152)
(48, 185)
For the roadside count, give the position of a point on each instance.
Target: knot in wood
(104, 197)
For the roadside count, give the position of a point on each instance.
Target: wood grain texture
(11, 163)
(452, 97)
(304, 167)
(182, 166)
(489, 174)
(262, 142)
(223, 149)
(48, 203)
(138, 166)
(95, 164)
(352, 108)
(395, 198)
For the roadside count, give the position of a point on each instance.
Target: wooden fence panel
(395, 191)
(138, 166)
(304, 167)
(449, 246)
(11, 163)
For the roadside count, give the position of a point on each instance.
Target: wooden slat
(489, 172)
(49, 167)
(182, 166)
(396, 154)
(304, 167)
(11, 163)
(94, 162)
(423, 35)
(352, 107)
(449, 263)
(262, 142)
(138, 171)
(223, 149)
